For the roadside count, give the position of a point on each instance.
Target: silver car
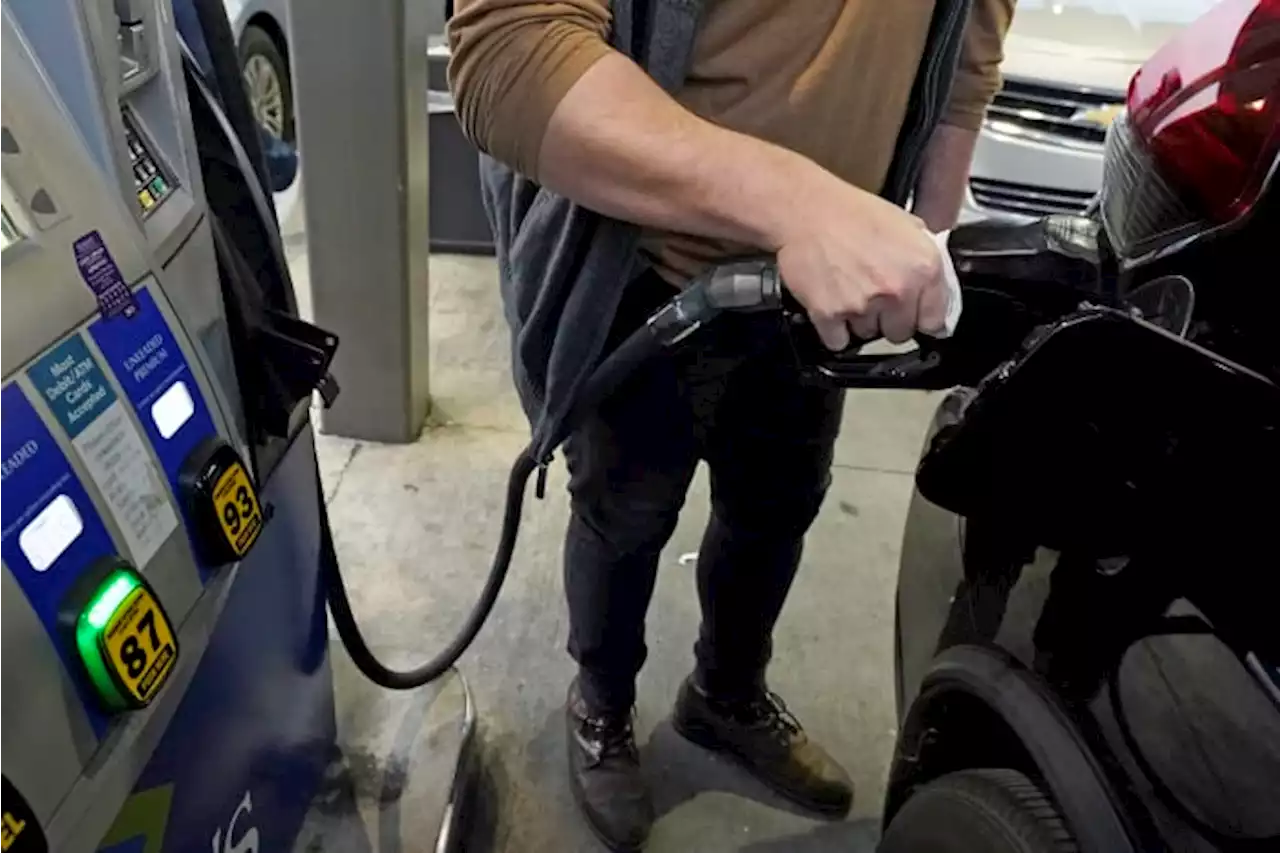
(1067, 66)
(260, 28)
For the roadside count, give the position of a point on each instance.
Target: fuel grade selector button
(122, 635)
(20, 832)
(221, 501)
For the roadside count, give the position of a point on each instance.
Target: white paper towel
(954, 305)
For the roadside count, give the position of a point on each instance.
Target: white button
(50, 533)
(172, 409)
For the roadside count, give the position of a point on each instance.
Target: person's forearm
(944, 176)
(620, 145)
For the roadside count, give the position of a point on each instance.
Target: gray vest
(563, 268)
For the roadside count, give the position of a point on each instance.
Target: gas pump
(122, 89)
(166, 680)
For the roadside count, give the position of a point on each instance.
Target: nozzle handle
(924, 368)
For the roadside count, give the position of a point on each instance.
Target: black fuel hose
(752, 285)
(349, 631)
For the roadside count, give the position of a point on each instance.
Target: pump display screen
(149, 180)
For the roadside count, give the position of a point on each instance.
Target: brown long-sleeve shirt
(829, 79)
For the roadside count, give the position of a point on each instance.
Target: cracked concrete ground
(415, 527)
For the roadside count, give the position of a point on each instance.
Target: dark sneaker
(768, 741)
(604, 774)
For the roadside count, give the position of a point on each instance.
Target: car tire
(978, 811)
(267, 82)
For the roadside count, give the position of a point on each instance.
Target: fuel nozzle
(1038, 262)
(1013, 278)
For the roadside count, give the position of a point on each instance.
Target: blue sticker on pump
(52, 531)
(149, 365)
(73, 385)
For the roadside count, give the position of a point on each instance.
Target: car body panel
(1204, 725)
(241, 12)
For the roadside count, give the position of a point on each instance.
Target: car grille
(1027, 199)
(1052, 113)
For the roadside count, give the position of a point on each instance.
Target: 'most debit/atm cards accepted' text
(75, 388)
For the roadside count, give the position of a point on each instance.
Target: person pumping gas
(630, 145)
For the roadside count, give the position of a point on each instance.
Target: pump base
(402, 778)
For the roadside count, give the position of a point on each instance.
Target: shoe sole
(575, 787)
(708, 741)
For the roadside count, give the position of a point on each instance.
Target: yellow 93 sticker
(238, 511)
(140, 645)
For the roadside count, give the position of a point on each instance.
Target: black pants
(731, 397)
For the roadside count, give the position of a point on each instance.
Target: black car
(1088, 607)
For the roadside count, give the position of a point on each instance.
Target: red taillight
(1207, 106)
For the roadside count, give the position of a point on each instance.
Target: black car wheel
(978, 811)
(266, 79)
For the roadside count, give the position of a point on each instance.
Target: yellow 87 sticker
(139, 644)
(238, 510)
